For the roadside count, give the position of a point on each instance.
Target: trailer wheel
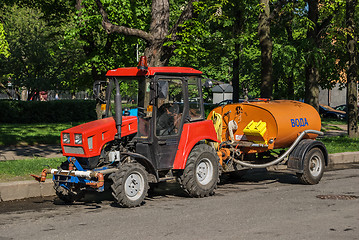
(313, 167)
(68, 195)
(130, 185)
(201, 173)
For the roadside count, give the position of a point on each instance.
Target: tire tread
(188, 179)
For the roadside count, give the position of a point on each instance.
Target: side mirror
(99, 90)
(208, 83)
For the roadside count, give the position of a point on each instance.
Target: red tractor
(167, 139)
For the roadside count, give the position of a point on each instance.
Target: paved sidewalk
(23, 152)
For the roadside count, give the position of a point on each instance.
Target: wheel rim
(315, 165)
(134, 186)
(204, 171)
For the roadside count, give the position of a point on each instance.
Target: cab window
(169, 107)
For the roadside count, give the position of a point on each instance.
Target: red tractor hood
(95, 135)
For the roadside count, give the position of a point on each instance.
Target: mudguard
(192, 134)
(296, 157)
(143, 161)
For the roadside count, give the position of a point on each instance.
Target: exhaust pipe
(118, 112)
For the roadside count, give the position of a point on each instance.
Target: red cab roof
(133, 71)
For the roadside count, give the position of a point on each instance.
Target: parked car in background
(343, 108)
(225, 102)
(329, 112)
(228, 101)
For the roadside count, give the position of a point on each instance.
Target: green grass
(332, 124)
(328, 127)
(32, 134)
(340, 144)
(18, 170)
(331, 121)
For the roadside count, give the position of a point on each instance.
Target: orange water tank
(275, 124)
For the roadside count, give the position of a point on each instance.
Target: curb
(343, 158)
(27, 189)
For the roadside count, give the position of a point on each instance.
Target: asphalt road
(260, 206)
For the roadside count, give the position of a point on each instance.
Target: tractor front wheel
(130, 185)
(68, 195)
(201, 174)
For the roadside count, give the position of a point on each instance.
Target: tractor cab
(166, 99)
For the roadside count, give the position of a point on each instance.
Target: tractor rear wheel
(313, 167)
(130, 185)
(201, 174)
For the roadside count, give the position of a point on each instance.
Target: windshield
(135, 99)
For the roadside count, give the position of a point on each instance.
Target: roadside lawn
(32, 134)
(20, 170)
(338, 144)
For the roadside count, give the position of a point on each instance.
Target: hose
(278, 160)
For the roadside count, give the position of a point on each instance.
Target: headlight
(66, 138)
(78, 138)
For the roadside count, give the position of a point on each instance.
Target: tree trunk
(235, 77)
(352, 72)
(266, 50)
(24, 94)
(311, 71)
(290, 87)
(156, 53)
(237, 29)
(290, 78)
(311, 86)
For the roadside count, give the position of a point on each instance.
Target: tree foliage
(4, 46)
(71, 43)
(40, 58)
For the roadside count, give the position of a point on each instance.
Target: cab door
(170, 115)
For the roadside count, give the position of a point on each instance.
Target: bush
(47, 112)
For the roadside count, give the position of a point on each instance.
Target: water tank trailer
(270, 134)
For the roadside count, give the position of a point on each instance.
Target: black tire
(73, 194)
(130, 185)
(201, 174)
(238, 174)
(68, 195)
(313, 167)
